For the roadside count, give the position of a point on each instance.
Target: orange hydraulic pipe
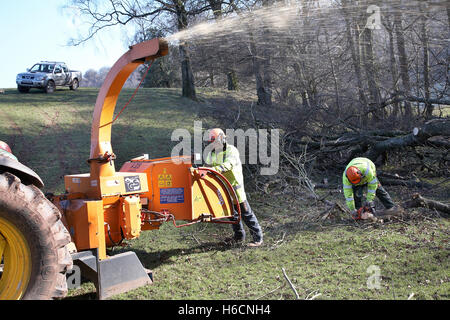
(107, 99)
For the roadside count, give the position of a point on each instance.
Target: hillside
(323, 258)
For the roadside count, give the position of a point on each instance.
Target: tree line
(341, 78)
(377, 57)
(94, 78)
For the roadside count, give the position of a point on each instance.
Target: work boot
(255, 243)
(232, 240)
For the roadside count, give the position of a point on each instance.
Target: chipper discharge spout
(103, 207)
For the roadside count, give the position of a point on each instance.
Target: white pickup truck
(47, 75)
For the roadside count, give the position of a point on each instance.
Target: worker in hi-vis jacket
(224, 158)
(359, 176)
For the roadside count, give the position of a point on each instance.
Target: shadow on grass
(84, 296)
(153, 260)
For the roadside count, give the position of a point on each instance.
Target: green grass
(51, 134)
(331, 258)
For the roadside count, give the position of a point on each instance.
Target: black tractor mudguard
(25, 174)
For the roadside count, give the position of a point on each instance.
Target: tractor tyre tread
(40, 222)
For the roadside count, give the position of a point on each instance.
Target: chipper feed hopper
(103, 207)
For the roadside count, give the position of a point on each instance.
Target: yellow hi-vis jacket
(368, 169)
(229, 164)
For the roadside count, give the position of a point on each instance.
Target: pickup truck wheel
(50, 88)
(75, 84)
(23, 89)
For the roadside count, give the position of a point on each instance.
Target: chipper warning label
(164, 179)
(171, 195)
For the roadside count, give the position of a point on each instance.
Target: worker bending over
(359, 176)
(224, 158)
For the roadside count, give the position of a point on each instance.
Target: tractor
(42, 237)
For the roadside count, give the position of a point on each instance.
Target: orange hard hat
(353, 174)
(216, 134)
(4, 146)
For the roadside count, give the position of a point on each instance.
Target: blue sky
(35, 30)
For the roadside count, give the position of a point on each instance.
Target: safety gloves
(371, 206)
(365, 212)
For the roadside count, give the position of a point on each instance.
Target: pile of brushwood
(314, 149)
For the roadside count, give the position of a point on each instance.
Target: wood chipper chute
(103, 207)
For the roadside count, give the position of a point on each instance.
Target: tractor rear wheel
(34, 255)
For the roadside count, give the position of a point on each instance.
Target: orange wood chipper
(103, 207)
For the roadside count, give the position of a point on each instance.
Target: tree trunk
(264, 95)
(216, 7)
(403, 61)
(211, 77)
(419, 201)
(232, 80)
(261, 68)
(267, 78)
(355, 56)
(448, 16)
(261, 92)
(426, 68)
(393, 67)
(266, 62)
(187, 76)
(333, 72)
(303, 83)
(369, 66)
(418, 136)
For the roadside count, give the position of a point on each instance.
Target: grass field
(324, 259)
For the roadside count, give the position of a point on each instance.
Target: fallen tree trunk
(382, 174)
(419, 201)
(438, 127)
(376, 142)
(439, 144)
(406, 183)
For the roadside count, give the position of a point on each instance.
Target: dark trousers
(381, 193)
(250, 220)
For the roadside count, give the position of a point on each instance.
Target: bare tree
(122, 12)
(403, 59)
(426, 66)
(389, 26)
(354, 49)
